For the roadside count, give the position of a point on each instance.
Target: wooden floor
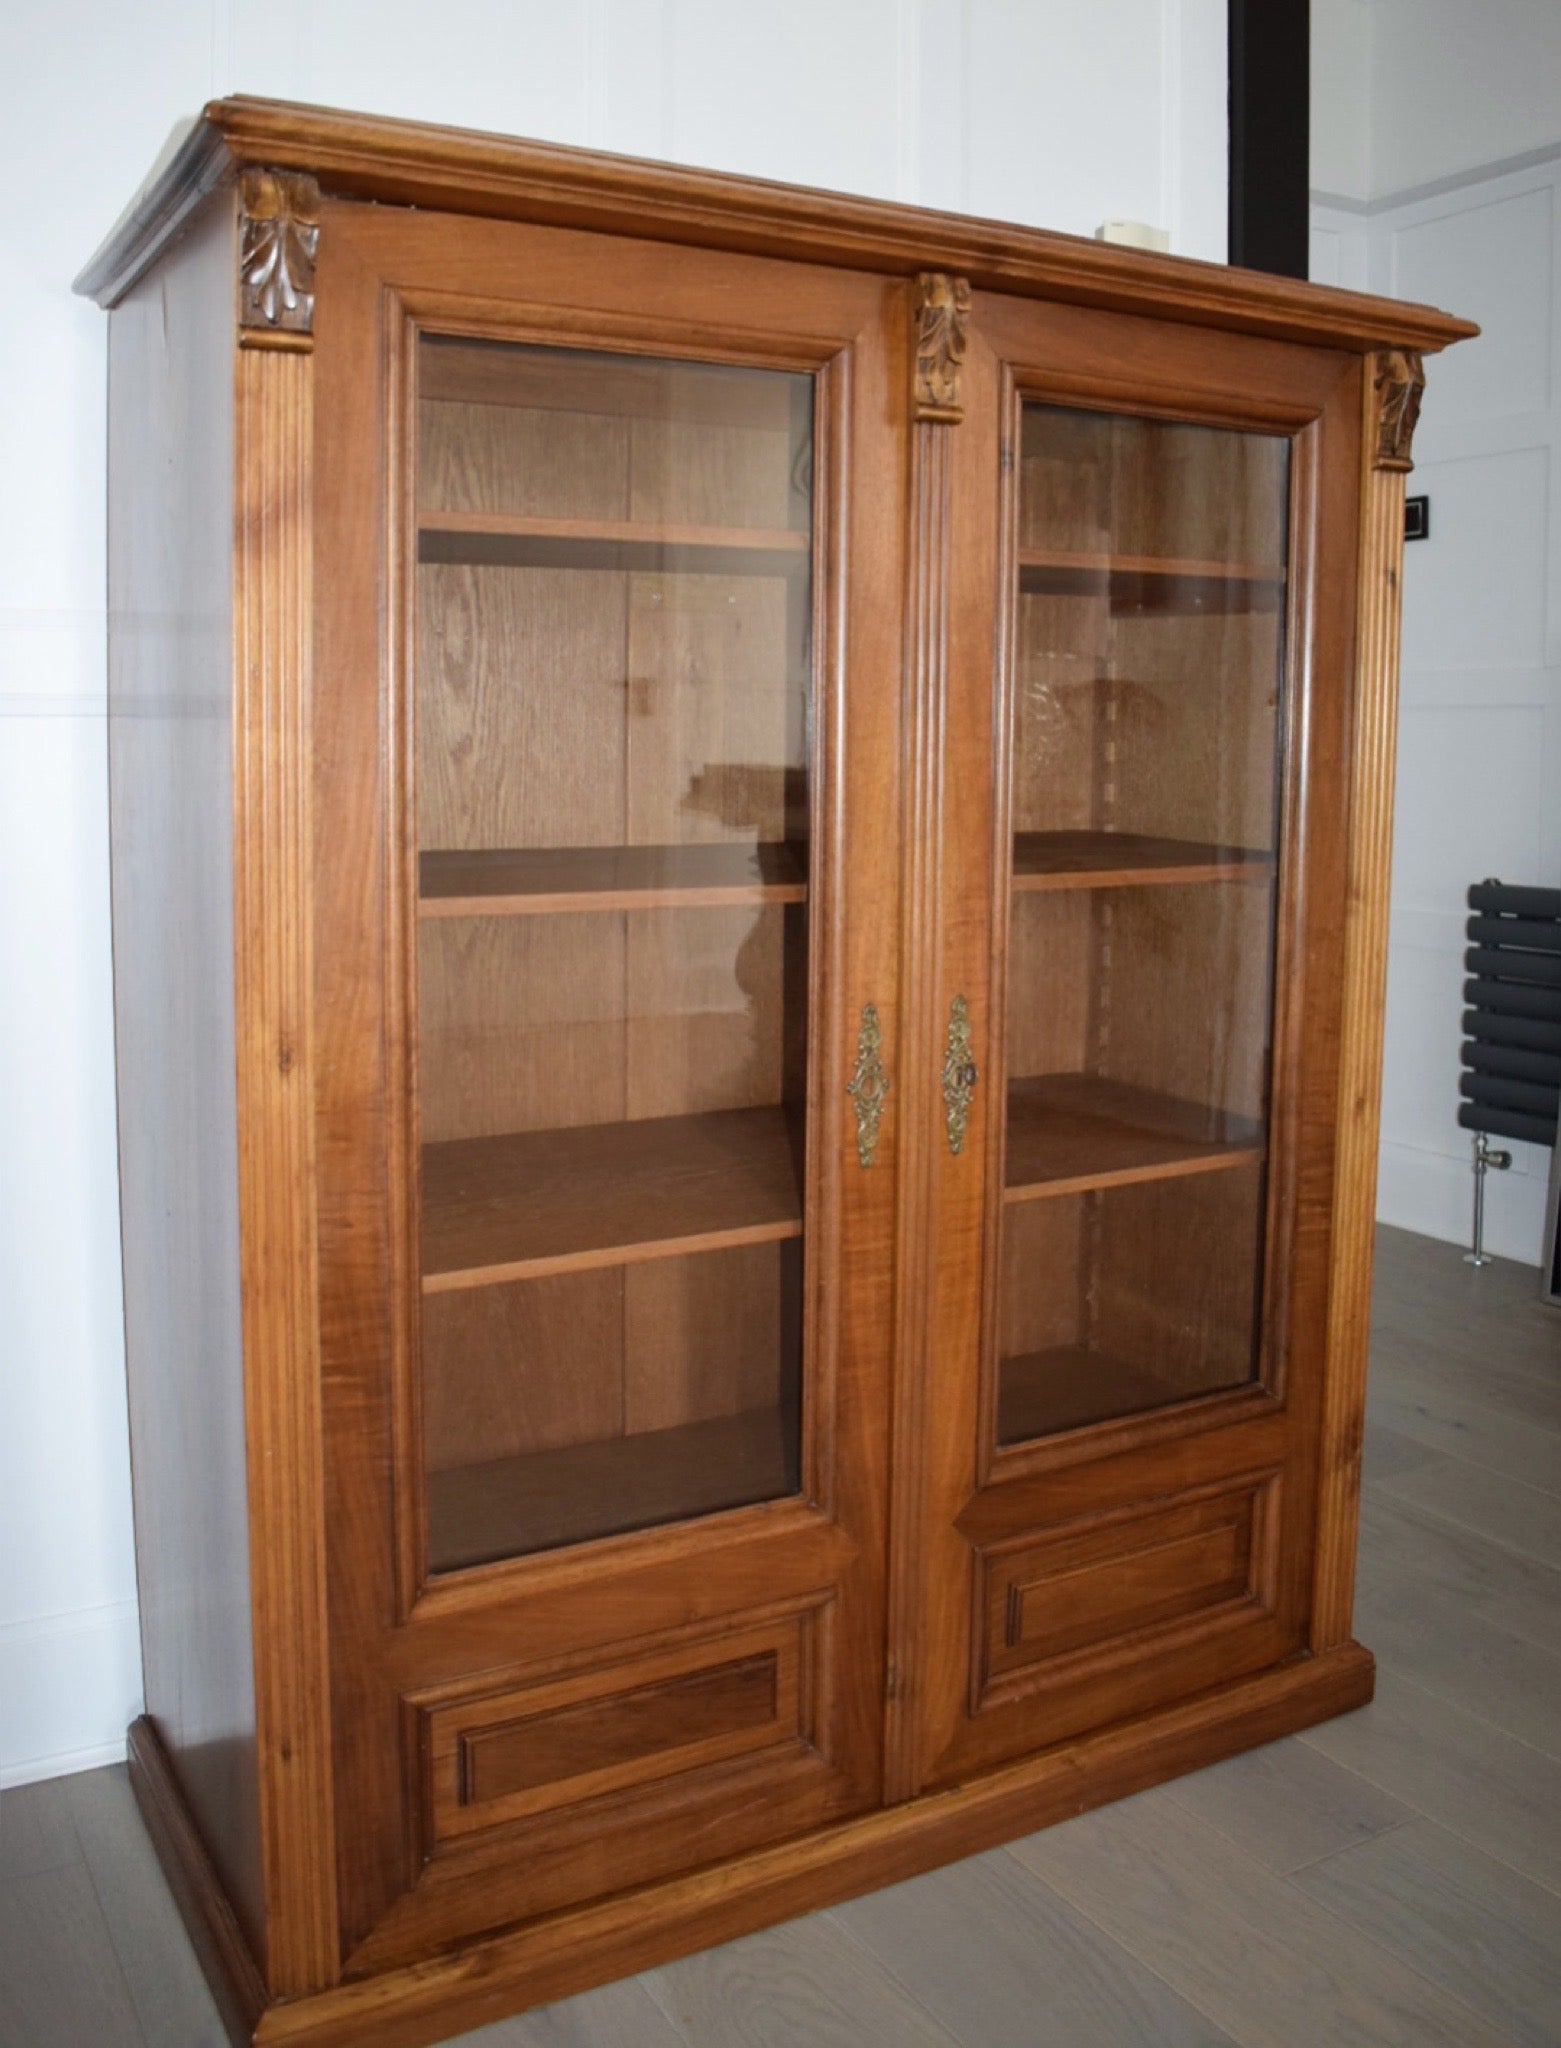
(1393, 1877)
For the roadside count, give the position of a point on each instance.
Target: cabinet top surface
(408, 163)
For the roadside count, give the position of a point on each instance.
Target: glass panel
(612, 719)
(1149, 657)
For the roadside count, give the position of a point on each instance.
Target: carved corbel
(942, 318)
(279, 235)
(1398, 379)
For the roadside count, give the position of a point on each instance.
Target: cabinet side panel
(171, 805)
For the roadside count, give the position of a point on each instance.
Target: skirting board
(68, 1684)
(1433, 1194)
(568, 1952)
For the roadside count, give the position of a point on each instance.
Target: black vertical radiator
(1511, 1080)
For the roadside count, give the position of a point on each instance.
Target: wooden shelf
(535, 1202)
(512, 540)
(1068, 1133)
(1066, 1387)
(541, 1500)
(1116, 860)
(1153, 583)
(1072, 1386)
(536, 881)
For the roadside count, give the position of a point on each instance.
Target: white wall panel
(1500, 255)
(1479, 774)
(1474, 592)
(1472, 779)
(1031, 109)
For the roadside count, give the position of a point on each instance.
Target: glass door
(614, 719)
(608, 736)
(1145, 755)
(1135, 1023)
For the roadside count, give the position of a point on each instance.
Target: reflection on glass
(1149, 650)
(612, 718)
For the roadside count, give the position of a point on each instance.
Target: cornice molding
(402, 163)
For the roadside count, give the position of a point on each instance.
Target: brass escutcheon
(960, 1074)
(869, 1085)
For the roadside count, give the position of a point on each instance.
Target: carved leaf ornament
(280, 237)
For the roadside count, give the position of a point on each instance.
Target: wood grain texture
(540, 1202)
(408, 164)
(1373, 754)
(1115, 860)
(1488, 1937)
(172, 743)
(605, 1020)
(60, 1983)
(1264, 1962)
(550, 880)
(1071, 1132)
(554, 1957)
(169, 1990)
(273, 908)
(542, 1500)
(197, 1885)
(983, 1945)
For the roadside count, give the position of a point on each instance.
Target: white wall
(1459, 137)
(1036, 110)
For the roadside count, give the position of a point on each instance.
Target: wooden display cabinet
(749, 846)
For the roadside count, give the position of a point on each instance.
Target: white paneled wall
(1479, 766)
(1037, 110)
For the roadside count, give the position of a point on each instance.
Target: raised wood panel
(507, 1752)
(1133, 1577)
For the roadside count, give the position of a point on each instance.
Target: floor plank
(1521, 1518)
(1497, 1792)
(1266, 1962)
(60, 1984)
(1285, 1805)
(803, 1983)
(616, 2016)
(1385, 1453)
(1462, 1919)
(975, 1944)
(1401, 1543)
(1466, 1429)
(1434, 1639)
(164, 1979)
(35, 1831)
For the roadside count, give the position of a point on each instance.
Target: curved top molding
(455, 170)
